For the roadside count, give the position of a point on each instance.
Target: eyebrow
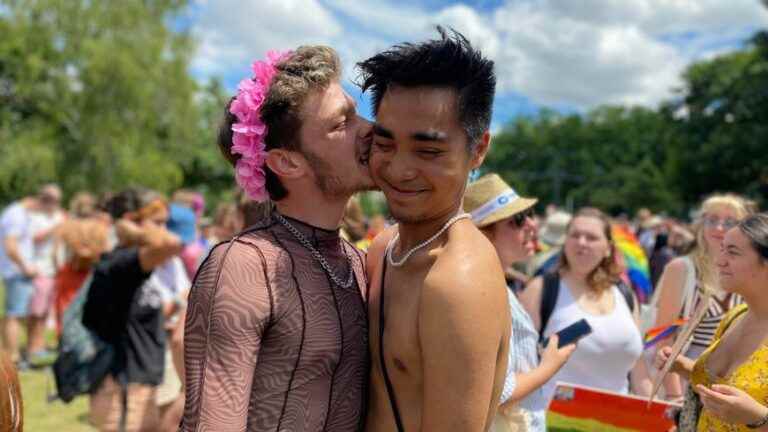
(381, 131)
(429, 136)
(418, 136)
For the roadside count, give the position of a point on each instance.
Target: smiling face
(420, 156)
(334, 142)
(513, 243)
(738, 263)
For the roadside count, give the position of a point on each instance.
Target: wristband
(760, 423)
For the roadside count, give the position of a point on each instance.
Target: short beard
(330, 185)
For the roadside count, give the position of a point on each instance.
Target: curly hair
(306, 70)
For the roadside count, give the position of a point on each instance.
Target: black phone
(571, 334)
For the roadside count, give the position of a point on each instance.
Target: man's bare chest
(400, 304)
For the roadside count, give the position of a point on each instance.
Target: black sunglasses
(520, 218)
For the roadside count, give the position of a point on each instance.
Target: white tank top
(603, 358)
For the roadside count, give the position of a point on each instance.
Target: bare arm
(463, 323)
(156, 246)
(11, 245)
(43, 235)
(552, 359)
(226, 317)
(639, 376)
(671, 285)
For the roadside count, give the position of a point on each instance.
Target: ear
(285, 164)
(481, 149)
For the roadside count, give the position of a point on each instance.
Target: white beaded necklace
(408, 254)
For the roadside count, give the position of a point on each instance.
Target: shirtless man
(439, 328)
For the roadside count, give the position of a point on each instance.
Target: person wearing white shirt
(16, 266)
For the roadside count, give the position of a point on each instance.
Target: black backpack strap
(548, 298)
(626, 292)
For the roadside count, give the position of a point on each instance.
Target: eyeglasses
(714, 222)
(521, 217)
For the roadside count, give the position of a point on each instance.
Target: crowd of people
(292, 310)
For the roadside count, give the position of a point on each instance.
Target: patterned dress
(751, 377)
(271, 344)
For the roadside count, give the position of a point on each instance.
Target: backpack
(552, 289)
(84, 359)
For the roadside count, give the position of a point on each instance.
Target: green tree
(612, 157)
(95, 95)
(723, 116)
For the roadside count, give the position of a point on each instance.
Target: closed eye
(430, 153)
(382, 146)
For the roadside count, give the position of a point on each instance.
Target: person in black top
(125, 308)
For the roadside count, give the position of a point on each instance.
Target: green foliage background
(712, 136)
(97, 95)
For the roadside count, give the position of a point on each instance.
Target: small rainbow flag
(657, 334)
(635, 260)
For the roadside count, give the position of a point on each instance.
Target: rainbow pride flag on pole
(658, 334)
(635, 261)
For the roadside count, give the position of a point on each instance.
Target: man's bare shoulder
(467, 268)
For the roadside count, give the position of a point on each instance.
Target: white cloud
(231, 33)
(556, 52)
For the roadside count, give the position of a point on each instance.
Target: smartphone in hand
(571, 334)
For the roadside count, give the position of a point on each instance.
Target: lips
(401, 192)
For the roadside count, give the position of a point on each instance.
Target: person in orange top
(84, 241)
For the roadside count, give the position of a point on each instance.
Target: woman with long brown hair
(587, 286)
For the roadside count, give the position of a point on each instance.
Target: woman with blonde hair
(587, 286)
(686, 280)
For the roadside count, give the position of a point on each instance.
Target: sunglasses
(521, 217)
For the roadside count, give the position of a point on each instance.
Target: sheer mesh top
(270, 343)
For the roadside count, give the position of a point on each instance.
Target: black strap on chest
(387, 382)
(548, 299)
(552, 289)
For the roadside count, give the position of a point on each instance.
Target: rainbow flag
(636, 263)
(657, 334)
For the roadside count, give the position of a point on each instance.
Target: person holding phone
(506, 219)
(587, 286)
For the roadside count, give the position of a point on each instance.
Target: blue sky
(561, 54)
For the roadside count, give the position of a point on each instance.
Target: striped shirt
(718, 308)
(524, 357)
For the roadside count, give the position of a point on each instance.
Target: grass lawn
(39, 414)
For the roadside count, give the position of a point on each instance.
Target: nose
(401, 168)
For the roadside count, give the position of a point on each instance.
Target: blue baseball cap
(182, 222)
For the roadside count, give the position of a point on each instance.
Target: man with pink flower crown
(276, 331)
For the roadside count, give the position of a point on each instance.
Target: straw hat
(489, 200)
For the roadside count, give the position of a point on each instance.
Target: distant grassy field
(39, 415)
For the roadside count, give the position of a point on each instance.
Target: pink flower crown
(250, 130)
